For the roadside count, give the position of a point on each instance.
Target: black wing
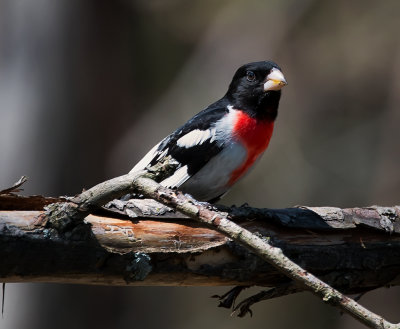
(192, 145)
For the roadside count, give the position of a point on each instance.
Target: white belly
(212, 180)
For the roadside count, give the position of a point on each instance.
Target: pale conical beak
(275, 80)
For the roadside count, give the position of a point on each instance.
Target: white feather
(142, 164)
(212, 180)
(196, 137)
(177, 179)
(224, 127)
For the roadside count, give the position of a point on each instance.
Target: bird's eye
(250, 76)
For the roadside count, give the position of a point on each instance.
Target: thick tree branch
(219, 221)
(386, 219)
(352, 260)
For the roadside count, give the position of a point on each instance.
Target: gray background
(87, 87)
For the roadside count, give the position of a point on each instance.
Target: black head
(256, 89)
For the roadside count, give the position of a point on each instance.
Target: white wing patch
(177, 179)
(196, 137)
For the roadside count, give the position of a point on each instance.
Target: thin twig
(262, 248)
(63, 216)
(15, 188)
(281, 290)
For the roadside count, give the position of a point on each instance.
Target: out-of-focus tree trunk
(66, 69)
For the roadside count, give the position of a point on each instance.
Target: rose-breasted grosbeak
(218, 145)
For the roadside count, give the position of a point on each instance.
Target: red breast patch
(255, 136)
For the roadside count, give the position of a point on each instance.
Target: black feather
(194, 157)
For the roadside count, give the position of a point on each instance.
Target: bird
(218, 146)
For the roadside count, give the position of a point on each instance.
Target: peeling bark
(182, 252)
(69, 224)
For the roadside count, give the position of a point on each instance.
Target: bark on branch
(353, 259)
(265, 244)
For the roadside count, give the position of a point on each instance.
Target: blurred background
(87, 87)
